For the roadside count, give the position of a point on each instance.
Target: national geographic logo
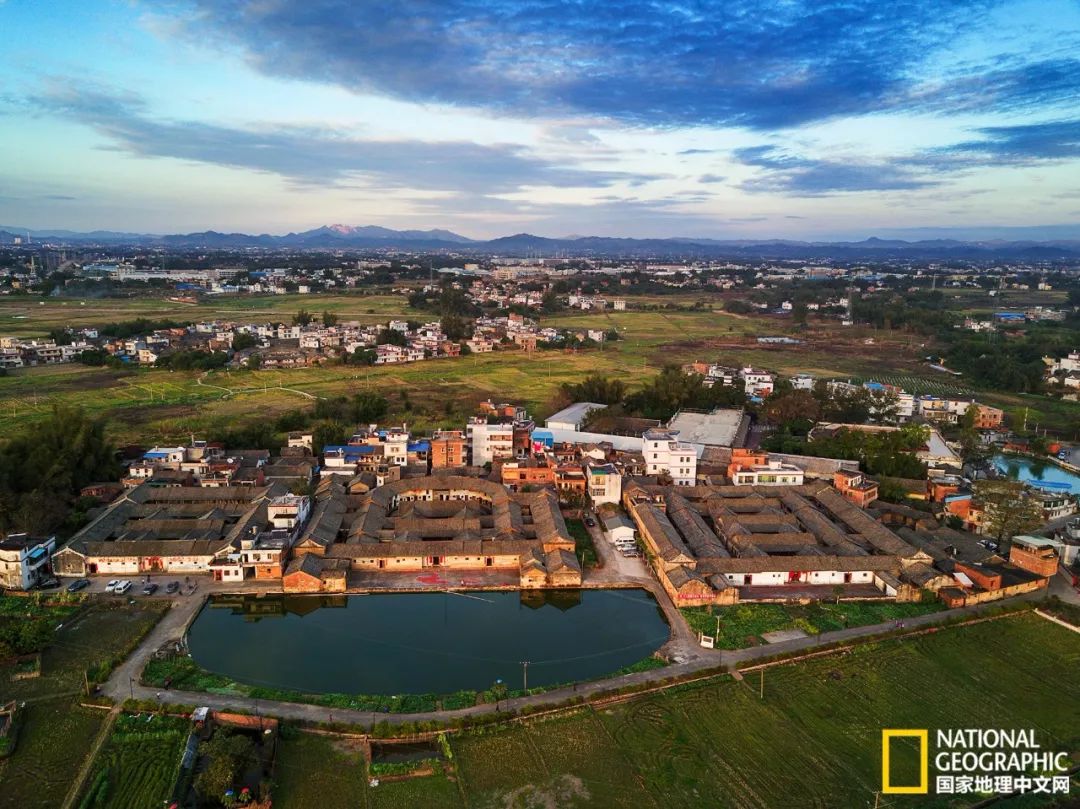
(923, 786)
(972, 761)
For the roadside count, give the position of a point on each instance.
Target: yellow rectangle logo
(887, 735)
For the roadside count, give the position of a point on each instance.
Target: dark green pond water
(425, 642)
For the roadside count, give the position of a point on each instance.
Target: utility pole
(761, 693)
(877, 799)
(525, 674)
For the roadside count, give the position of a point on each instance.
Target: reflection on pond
(425, 642)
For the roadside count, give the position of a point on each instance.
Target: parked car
(48, 583)
(122, 587)
(589, 521)
(78, 584)
(112, 585)
(149, 588)
(172, 587)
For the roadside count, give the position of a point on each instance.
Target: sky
(801, 119)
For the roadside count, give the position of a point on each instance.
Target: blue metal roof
(419, 446)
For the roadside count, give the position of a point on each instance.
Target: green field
(162, 406)
(314, 771)
(743, 625)
(813, 741)
(139, 763)
(26, 316)
(718, 744)
(53, 743)
(97, 637)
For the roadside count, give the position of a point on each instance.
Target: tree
(1009, 508)
(456, 327)
(302, 318)
(392, 337)
(329, 319)
(43, 469)
(596, 388)
(228, 755)
(795, 406)
(244, 340)
(799, 312)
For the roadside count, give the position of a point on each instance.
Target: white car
(112, 585)
(122, 587)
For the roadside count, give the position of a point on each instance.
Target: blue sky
(741, 118)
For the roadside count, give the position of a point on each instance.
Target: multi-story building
(856, 487)
(25, 560)
(603, 483)
(489, 442)
(756, 382)
(537, 470)
(448, 449)
(666, 455)
(752, 468)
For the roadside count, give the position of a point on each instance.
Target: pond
(1038, 473)
(425, 642)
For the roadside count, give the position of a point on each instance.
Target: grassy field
(743, 625)
(54, 741)
(33, 317)
(314, 771)
(57, 732)
(138, 765)
(718, 744)
(98, 635)
(162, 406)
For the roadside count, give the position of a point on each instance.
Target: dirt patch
(557, 792)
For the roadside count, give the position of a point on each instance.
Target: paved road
(122, 684)
(619, 571)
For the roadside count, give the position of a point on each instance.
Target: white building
(572, 417)
(802, 382)
(489, 442)
(771, 473)
(24, 560)
(618, 527)
(756, 382)
(666, 455)
(603, 483)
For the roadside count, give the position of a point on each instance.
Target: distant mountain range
(373, 237)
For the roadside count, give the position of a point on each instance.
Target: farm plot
(580, 747)
(718, 743)
(312, 772)
(138, 766)
(743, 625)
(920, 386)
(53, 743)
(435, 791)
(96, 638)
